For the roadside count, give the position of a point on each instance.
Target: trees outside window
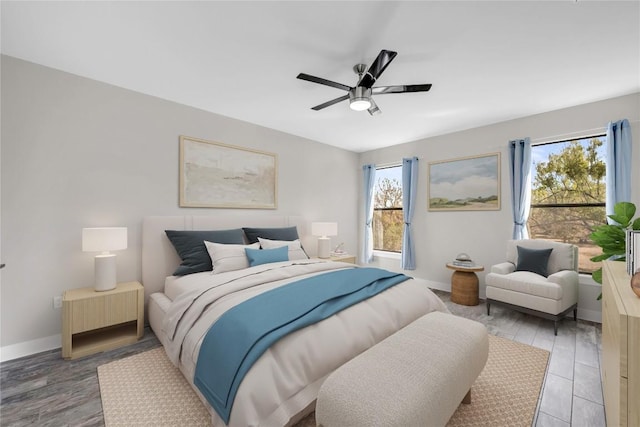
(568, 194)
(387, 209)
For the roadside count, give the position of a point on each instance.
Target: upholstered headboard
(159, 258)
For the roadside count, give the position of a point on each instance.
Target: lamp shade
(104, 239)
(324, 228)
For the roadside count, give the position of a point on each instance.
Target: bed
(281, 386)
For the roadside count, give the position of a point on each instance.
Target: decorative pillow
(265, 256)
(295, 248)
(228, 257)
(189, 245)
(281, 233)
(534, 260)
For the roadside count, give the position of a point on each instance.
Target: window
(387, 209)
(568, 194)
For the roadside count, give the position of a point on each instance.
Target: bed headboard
(159, 258)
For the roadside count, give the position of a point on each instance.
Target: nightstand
(99, 321)
(343, 258)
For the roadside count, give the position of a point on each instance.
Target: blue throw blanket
(243, 333)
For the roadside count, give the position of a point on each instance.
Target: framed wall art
(215, 175)
(465, 184)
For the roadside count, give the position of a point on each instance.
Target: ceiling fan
(360, 95)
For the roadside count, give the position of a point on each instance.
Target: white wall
(483, 235)
(79, 153)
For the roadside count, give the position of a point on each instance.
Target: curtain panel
(618, 161)
(409, 188)
(369, 172)
(520, 174)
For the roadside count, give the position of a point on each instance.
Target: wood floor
(45, 390)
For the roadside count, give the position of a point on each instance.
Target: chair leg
(488, 308)
(575, 314)
(555, 327)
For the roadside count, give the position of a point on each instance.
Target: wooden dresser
(620, 346)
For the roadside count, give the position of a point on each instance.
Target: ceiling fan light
(360, 98)
(360, 104)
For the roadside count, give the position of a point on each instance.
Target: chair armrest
(503, 268)
(568, 277)
(568, 281)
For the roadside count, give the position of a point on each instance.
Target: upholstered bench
(416, 377)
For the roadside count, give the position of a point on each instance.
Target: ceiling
(488, 61)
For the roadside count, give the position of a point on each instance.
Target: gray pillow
(279, 233)
(189, 245)
(533, 260)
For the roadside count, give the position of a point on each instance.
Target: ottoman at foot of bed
(417, 376)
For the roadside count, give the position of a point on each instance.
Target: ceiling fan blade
(374, 110)
(377, 67)
(319, 80)
(330, 103)
(400, 89)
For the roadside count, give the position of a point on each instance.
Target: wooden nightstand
(99, 321)
(343, 258)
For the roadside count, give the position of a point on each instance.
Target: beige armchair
(540, 277)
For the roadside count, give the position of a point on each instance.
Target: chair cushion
(526, 282)
(534, 260)
(533, 302)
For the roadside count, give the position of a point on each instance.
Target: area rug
(147, 390)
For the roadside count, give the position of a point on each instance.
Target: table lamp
(324, 230)
(104, 239)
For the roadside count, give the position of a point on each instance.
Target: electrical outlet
(57, 302)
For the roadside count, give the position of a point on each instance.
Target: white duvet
(285, 380)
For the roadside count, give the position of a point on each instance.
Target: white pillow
(228, 257)
(295, 248)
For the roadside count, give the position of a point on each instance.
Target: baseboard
(590, 315)
(27, 348)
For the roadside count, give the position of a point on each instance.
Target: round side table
(464, 284)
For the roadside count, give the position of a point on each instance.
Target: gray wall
(440, 236)
(79, 153)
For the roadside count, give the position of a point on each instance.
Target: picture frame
(465, 184)
(217, 175)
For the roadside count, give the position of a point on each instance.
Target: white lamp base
(105, 272)
(324, 247)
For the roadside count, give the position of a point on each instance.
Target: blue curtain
(520, 170)
(409, 184)
(369, 181)
(618, 162)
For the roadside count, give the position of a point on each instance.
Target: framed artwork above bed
(216, 175)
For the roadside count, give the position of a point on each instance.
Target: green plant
(611, 237)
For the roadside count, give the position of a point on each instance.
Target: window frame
(385, 252)
(599, 135)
